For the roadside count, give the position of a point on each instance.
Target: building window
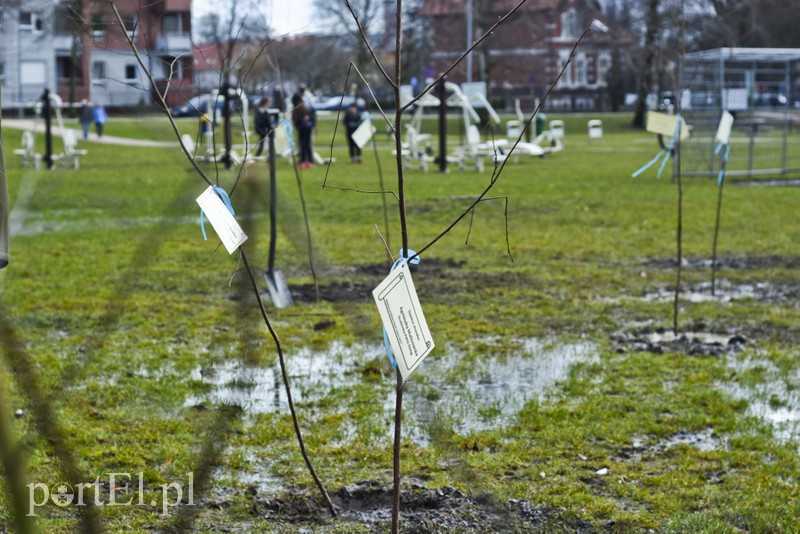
(131, 73)
(569, 24)
(603, 68)
(99, 72)
(129, 21)
(2, 73)
(98, 26)
(31, 22)
(171, 23)
(580, 71)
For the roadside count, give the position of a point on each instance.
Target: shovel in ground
(276, 282)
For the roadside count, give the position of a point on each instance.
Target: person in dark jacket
(352, 120)
(86, 118)
(263, 123)
(303, 120)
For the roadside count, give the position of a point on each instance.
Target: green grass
(117, 300)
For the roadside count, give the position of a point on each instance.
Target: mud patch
(422, 510)
(433, 266)
(725, 292)
(745, 262)
(355, 283)
(774, 398)
(661, 341)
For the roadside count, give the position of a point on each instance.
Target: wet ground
(661, 341)
(725, 292)
(743, 262)
(773, 398)
(460, 390)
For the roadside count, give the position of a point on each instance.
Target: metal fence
(761, 88)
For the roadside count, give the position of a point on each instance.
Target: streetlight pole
(469, 40)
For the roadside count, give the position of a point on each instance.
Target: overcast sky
(283, 16)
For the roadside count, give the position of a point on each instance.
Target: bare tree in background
(232, 23)
(371, 15)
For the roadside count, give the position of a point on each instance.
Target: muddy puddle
(260, 389)
(742, 262)
(642, 447)
(697, 343)
(774, 398)
(453, 390)
(725, 292)
(487, 392)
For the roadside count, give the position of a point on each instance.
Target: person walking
(352, 120)
(303, 120)
(100, 118)
(263, 123)
(85, 117)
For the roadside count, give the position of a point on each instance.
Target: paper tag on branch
(228, 230)
(364, 133)
(664, 124)
(403, 319)
(724, 130)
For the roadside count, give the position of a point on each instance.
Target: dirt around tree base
(422, 510)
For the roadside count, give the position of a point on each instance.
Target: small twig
(382, 188)
(286, 385)
(472, 217)
(336, 126)
(385, 244)
(364, 38)
(714, 265)
(372, 94)
(309, 241)
(367, 191)
(398, 419)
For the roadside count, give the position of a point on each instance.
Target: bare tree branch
(369, 46)
(499, 169)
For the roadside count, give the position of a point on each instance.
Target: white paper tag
(724, 131)
(403, 319)
(363, 133)
(228, 230)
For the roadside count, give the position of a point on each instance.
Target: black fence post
(441, 93)
(48, 134)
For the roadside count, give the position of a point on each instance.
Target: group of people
(304, 119)
(92, 113)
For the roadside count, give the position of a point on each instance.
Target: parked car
(196, 106)
(335, 103)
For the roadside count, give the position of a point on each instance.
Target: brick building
(526, 53)
(41, 46)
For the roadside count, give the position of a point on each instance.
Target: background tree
(232, 23)
(371, 13)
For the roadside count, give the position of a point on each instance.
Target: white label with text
(408, 333)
